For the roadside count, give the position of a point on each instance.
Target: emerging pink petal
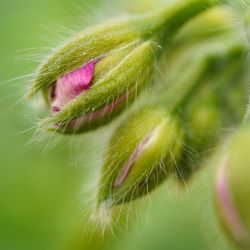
(69, 86)
(135, 156)
(228, 209)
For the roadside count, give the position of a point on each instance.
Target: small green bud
(209, 108)
(203, 121)
(207, 111)
(141, 154)
(233, 190)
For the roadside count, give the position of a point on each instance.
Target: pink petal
(69, 86)
(132, 160)
(228, 209)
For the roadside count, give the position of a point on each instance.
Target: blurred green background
(46, 184)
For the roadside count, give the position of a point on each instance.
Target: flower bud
(141, 154)
(203, 121)
(94, 76)
(215, 104)
(82, 100)
(233, 191)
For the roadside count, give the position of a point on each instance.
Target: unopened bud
(141, 154)
(89, 96)
(233, 191)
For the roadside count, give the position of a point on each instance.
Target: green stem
(187, 82)
(166, 22)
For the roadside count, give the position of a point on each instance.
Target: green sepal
(155, 163)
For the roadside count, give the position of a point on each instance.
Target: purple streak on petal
(134, 156)
(229, 212)
(69, 86)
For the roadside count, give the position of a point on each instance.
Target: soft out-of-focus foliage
(43, 203)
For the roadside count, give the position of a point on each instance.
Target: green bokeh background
(44, 204)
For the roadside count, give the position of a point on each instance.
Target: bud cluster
(184, 111)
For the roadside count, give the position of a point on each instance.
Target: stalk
(170, 19)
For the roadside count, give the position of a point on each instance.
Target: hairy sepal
(150, 139)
